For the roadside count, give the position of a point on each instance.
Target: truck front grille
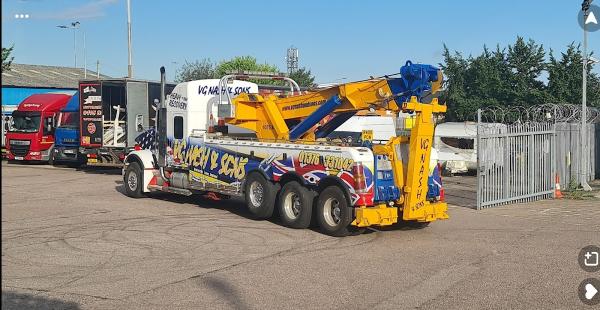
(19, 150)
(67, 141)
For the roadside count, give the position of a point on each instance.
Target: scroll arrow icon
(591, 19)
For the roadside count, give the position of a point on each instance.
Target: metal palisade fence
(523, 153)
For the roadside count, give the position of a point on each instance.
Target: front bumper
(105, 157)
(30, 156)
(67, 154)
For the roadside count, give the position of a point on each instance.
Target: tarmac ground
(72, 240)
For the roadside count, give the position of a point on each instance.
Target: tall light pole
(129, 62)
(585, 6)
(84, 58)
(74, 26)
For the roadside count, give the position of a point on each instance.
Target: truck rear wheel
(334, 214)
(260, 196)
(295, 205)
(133, 180)
(51, 157)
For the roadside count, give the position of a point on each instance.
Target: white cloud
(92, 9)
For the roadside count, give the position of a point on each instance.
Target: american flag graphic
(147, 139)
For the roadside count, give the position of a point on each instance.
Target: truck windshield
(25, 121)
(69, 119)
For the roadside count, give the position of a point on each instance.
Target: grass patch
(573, 191)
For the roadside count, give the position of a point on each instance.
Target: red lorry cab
(31, 134)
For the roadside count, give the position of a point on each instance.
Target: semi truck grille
(68, 141)
(19, 150)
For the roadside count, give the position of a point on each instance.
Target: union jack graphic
(147, 139)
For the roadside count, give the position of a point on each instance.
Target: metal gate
(515, 162)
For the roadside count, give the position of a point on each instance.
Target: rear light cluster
(360, 182)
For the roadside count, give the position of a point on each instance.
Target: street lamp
(129, 62)
(585, 7)
(74, 26)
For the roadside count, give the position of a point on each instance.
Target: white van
(456, 146)
(383, 128)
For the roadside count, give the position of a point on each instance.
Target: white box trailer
(114, 112)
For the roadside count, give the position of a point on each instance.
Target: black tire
(260, 196)
(334, 214)
(79, 161)
(132, 180)
(295, 205)
(51, 157)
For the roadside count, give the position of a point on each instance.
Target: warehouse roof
(22, 75)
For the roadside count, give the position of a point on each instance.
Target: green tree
(565, 78)
(303, 77)
(197, 70)
(514, 76)
(6, 58)
(526, 62)
(246, 63)
(455, 70)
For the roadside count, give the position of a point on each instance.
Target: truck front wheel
(51, 157)
(295, 205)
(133, 180)
(260, 196)
(334, 215)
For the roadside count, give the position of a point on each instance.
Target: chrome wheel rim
(132, 180)
(292, 205)
(256, 194)
(332, 212)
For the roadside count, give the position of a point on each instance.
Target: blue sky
(336, 39)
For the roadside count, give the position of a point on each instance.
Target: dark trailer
(113, 113)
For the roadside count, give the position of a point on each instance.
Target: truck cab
(31, 133)
(66, 146)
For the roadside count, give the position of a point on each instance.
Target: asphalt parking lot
(72, 239)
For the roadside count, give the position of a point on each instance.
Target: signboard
(91, 114)
(367, 135)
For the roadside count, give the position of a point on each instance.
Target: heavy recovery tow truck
(202, 146)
